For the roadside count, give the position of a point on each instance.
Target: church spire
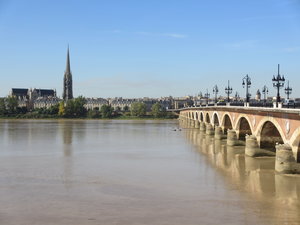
(68, 67)
(68, 82)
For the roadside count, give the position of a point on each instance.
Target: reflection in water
(135, 172)
(280, 194)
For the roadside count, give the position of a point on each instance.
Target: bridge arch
(243, 127)
(207, 119)
(226, 122)
(201, 117)
(215, 119)
(295, 144)
(269, 133)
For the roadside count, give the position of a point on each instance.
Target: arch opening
(227, 124)
(270, 136)
(201, 117)
(298, 153)
(207, 120)
(216, 120)
(244, 129)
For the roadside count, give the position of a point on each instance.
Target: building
(27, 97)
(95, 103)
(68, 82)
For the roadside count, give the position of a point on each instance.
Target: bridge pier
(218, 133)
(285, 160)
(232, 138)
(191, 123)
(252, 149)
(202, 126)
(209, 129)
(197, 124)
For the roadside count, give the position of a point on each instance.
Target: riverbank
(89, 118)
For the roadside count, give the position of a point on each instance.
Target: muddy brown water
(135, 172)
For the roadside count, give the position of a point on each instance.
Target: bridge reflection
(254, 176)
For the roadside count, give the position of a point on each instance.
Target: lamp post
(228, 91)
(216, 91)
(265, 91)
(278, 83)
(247, 83)
(206, 95)
(236, 96)
(288, 91)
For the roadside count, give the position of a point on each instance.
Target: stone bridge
(266, 131)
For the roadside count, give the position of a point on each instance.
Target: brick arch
(207, 118)
(226, 122)
(269, 133)
(243, 126)
(276, 124)
(295, 144)
(201, 116)
(198, 116)
(215, 119)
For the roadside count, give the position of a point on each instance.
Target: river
(135, 172)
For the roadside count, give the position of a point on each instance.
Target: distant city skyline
(134, 48)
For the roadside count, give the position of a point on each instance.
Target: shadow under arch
(216, 119)
(197, 116)
(270, 136)
(243, 128)
(295, 143)
(201, 116)
(207, 119)
(227, 124)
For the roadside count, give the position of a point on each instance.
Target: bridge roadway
(266, 131)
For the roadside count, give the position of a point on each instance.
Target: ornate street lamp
(228, 91)
(278, 83)
(206, 95)
(216, 91)
(265, 91)
(247, 83)
(288, 91)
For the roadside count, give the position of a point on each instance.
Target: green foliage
(61, 109)
(126, 108)
(157, 110)
(94, 113)
(12, 104)
(138, 109)
(106, 111)
(3, 110)
(74, 108)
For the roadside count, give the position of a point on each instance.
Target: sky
(139, 48)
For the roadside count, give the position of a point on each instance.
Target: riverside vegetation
(74, 108)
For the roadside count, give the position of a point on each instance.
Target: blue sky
(137, 48)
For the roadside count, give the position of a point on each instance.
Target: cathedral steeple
(68, 83)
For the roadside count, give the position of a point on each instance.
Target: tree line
(75, 108)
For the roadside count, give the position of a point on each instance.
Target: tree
(138, 109)
(3, 110)
(61, 109)
(74, 108)
(106, 111)
(54, 109)
(93, 113)
(126, 108)
(158, 110)
(12, 104)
